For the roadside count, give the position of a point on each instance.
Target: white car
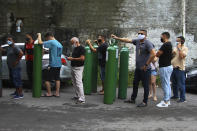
(65, 71)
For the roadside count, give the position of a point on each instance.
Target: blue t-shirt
(55, 52)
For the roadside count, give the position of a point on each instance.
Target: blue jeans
(102, 73)
(165, 74)
(15, 77)
(144, 76)
(178, 83)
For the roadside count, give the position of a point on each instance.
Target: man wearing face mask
(145, 54)
(14, 55)
(77, 63)
(29, 46)
(178, 74)
(101, 57)
(165, 68)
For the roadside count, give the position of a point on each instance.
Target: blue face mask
(177, 43)
(9, 42)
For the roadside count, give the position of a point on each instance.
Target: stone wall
(88, 18)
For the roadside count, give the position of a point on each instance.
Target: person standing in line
(145, 54)
(165, 68)
(101, 57)
(14, 55)
(29, 46)
(77, 64)
(153, 80)
(178, 74)
(55, 63)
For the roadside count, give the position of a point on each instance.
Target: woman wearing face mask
(29, 46)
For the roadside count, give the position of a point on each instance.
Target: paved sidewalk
(62, 114)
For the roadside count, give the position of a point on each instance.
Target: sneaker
(75, 98)
(130, 101)
(13, 94)
(142, 105)
(162, 104)
(181, 101)
(169, 103)
(18, 97)
(174, 98)
(80, 102)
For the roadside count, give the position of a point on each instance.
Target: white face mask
(141, 37)
(74, 45)
(9, 42)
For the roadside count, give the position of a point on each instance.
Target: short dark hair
(49, 34)
(11, 36)
(31, 34)
(103, 36)
(182, 39)
(167, 34)
(143, 30)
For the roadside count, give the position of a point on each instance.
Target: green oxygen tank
(37, 71)
(94, 69)
(87, 78)
(110, 78)
(123, 73)
(116, 71)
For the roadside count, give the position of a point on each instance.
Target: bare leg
(153, 83)
(48, 86)
(102, 90)
(57, 93)
(150, 88)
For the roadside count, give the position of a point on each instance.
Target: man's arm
(159, 53)
(182, 54)
(20, 55)
(39, 39)
(1, 49)
(90, 45)
(126, 40)
(152, 57)
(81, 58)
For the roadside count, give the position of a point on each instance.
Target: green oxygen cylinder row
(123, 73)
(94, 69)
(37, 71)
(87, 78)
(110, 77)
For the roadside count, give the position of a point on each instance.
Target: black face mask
(99, 40)
(27, 39)
(162, 40)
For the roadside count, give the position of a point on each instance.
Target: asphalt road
(62, 114)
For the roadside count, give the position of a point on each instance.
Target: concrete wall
(88, 18)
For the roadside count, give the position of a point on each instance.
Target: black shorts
(52, 73)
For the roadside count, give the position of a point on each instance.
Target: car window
(46, 51)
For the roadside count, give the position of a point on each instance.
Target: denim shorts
(153, 72)
(15, 77)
